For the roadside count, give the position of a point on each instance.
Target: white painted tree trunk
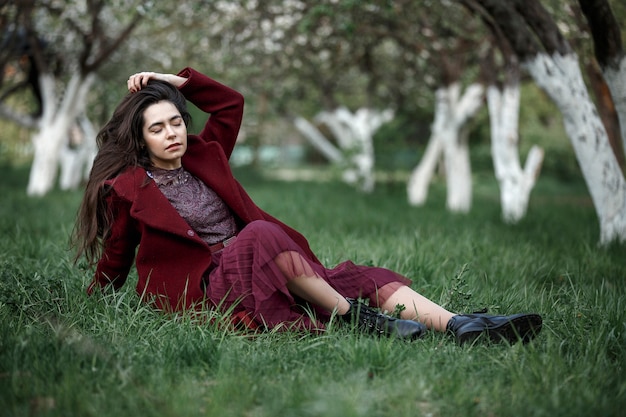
(91, 146)
(449, 135)
(458, 172)
(561, 78)
(54, 127)
(417, 186)
(76, 159)
(616, 80)
(355, 134)
(318, 140)
(422, 174)
(515, 183)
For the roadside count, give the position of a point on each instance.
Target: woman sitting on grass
(169, 202)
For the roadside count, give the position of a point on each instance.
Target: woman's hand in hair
(139, 80)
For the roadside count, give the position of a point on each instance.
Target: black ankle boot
(468, 327)
(371, 321)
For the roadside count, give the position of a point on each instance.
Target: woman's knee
(261, 228)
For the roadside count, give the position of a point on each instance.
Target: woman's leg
(317, 291)
(418, 308)
(465, 327)
(306, 284)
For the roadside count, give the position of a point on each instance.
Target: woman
(168, 201)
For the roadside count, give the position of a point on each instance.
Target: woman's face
(165, 134)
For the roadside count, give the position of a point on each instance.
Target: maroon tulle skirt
(249, 278)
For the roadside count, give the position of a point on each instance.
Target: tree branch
(607, 41)
(511, 25)
(21, 119)
(543, 25)
(107, 50)
(13, 89)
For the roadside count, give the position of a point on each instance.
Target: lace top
(198, 204)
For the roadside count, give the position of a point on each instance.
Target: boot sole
(520, 327)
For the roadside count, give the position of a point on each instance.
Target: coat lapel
(213, 169)
(151, 207)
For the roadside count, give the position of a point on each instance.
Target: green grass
(65, 354)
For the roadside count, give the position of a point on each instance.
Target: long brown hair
(120, 146)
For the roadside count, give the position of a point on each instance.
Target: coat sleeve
(119, 247)
(224, 105)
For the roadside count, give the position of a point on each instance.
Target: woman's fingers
(139, 80)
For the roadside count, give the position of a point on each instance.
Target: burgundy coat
(171, 259)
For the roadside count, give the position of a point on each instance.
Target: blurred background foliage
(293, 58)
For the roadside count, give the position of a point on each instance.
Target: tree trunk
(54, 128)
(47, 145)
(355, 134)
(417, 186)
(561, 78)
(456, 152)
(458, 171)
(318, 140)
(515, 184)
(609, 52)
(77, 155)
(448, 135)
(606, 108)
(615, 77)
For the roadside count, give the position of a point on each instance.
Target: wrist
(176, 80)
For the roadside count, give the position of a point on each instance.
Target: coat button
(190, 232)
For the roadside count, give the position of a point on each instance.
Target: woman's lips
(173, 146)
